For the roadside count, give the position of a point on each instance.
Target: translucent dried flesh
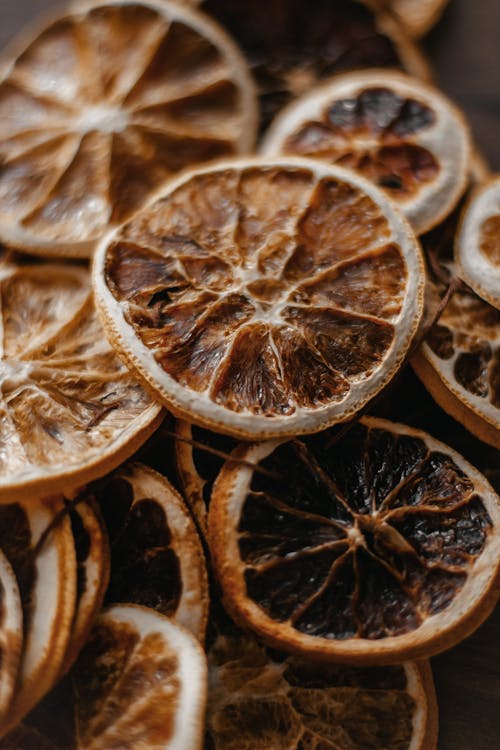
(103, 106)
(66, 400)
(467, 339)
(365, 540)
(292, 45)
(122, 692)
(243, 278)
(376, 133)
(259, 701)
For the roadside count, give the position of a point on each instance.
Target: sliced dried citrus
(102, 103)
(292, 45)
(197, 469)
(263, 297)
(477, 245)
(92, 573)
(45, 567)
(11, 634)
(382, 547)
(459, 363)
(156, 554)
(402, 134)
(261, 701)
(139, 683)
(69, 410)
(417, 16)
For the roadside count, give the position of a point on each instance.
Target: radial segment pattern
(378, 547)
(103, 104)
(263, 297)
(68, 405)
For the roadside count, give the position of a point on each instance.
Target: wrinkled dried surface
(144, 566)
(263, 702)
(240, 281)
(101, 108)
(121, 693)
(64, 395)
(375, 133)
(490, 239)
(290, 45)
(363, 540)
(468, 337)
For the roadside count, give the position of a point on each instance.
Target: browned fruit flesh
(365, 540)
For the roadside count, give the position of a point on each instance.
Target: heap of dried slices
(172, 284)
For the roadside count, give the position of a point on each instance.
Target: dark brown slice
(39, 546)
(381, 547)
(156, 554)
(291, 45)
(92, 573)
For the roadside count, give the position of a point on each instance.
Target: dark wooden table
(466, 54)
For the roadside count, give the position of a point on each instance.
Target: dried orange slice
(102, 103)
(382, 547)
(263, 297)
(156, 554)
(197, 469)
(92, 573)
(69, 410)
(459, 364)
(477, 245)
(11, 634)
(417, 16)
(292, 45)
(261, 701)
(140, 682)
(400, 133)
(42, 555)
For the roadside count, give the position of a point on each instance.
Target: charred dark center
(365, 540)
(373, 133)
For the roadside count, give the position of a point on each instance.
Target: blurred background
(465, 54)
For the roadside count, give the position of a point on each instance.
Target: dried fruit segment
(40, 549)
(477, 243)
(11, 634)
(292, 45)
(156, 556)
(401, 134)
(236, 295)
(260, 700)
(460, 364)
(92, 572)
(140, 681)
(198, 468)
(100, 106)
(68, 407)
(376, 548)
